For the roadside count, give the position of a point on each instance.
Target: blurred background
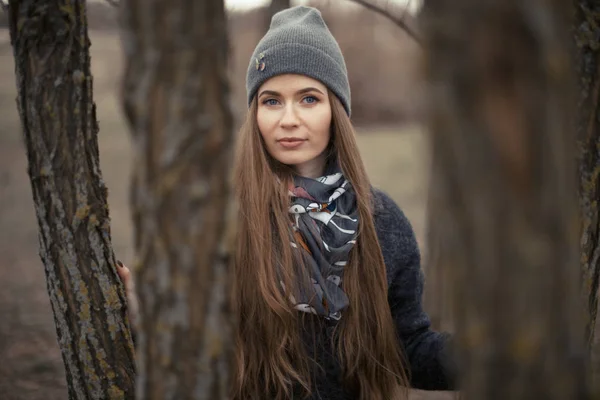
(387, 92)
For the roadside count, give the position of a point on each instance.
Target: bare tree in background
(176, 100)
(587, 32)
(274, 7)
(393, 15)
(504, 187)
(278, 5)
(55, 103)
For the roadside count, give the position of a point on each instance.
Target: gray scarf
(325, 223)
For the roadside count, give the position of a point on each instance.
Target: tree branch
(114, 3)
(405, 9)
(4, 6)
(398, 21)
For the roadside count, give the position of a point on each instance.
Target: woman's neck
(313, 169)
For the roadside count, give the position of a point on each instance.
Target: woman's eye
(270, 102)
(310, 99)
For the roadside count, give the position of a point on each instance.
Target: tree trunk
(278, 5)
(274, 7)
(505, 178)
(438, 296)
(587, 31)
(54, 83)
(176, 100)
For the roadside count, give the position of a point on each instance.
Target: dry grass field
(31, 367)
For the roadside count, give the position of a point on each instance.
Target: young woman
(328, 285)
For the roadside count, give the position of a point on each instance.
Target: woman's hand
(132, 301)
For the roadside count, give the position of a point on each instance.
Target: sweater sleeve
(427, 351)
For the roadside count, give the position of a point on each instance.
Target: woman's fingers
(124, 273)
(126, 278)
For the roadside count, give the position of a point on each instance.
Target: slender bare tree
(586, 33)
(398, 18)
(175, 93)
(57, 111)
(274, 7)
(504, 188)
(278, 5)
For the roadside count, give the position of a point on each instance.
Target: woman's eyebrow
(301, 91)
(308, 89)
(269, 92)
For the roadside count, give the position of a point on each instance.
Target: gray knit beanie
(299, 42)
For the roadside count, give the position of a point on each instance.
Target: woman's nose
(289, 119)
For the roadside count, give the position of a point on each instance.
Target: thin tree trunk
(54, 84)
(278, 5)
(176, 100)
(587, 29)
(504, 151)
(274, 7)
(438, 298)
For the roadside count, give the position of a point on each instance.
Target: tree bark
(278, 5)
(505, 186)
(274, 7)
(52, 65)
(438, 297)
(587, 31)
(176, 100)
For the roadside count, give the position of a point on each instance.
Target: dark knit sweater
(426, 350)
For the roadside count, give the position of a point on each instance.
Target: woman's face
(294, 119)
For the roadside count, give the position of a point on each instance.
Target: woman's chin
(292, 160)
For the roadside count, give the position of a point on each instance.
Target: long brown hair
(270, 354)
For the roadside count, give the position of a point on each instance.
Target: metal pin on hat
(260, 64)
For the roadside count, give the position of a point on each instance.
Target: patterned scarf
(325, 223)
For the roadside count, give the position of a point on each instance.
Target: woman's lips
(291, 143)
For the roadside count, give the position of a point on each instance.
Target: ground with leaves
(31, 367)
